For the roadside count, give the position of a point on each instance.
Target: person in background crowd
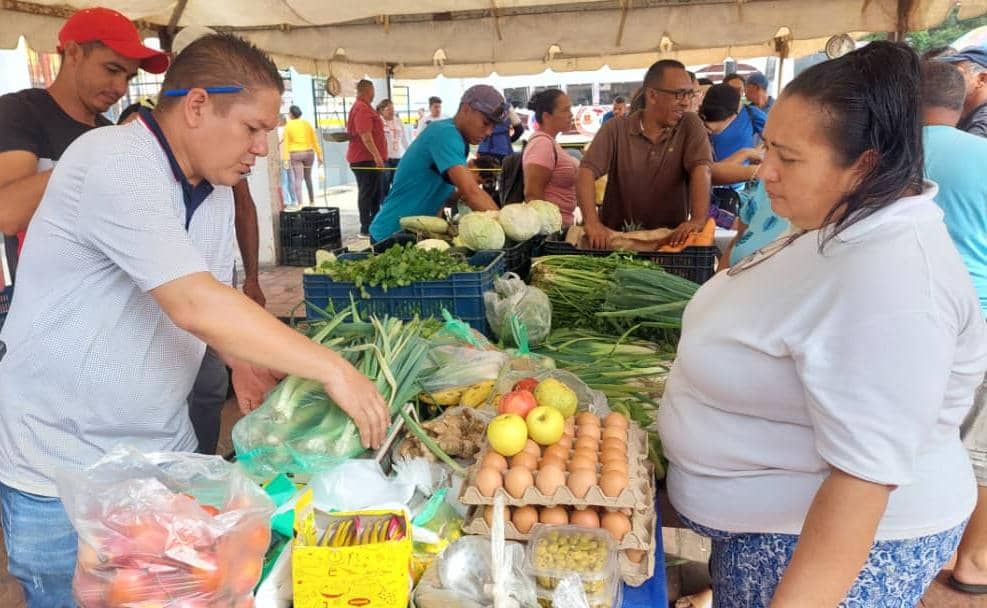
(130, 113)
(736, 81)
(732, 126)
(434, 113)
(396, 135)
(101, 51)
(756, 91)
(618, 110)
(499, 143)
(657, 161)
(128, 255)
(957, 163)
(973, 62)
(550, 172)
(287, 177)
(435, 163)
(365, 153)
(301, 148)
(836, 463)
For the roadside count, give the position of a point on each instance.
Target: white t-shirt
(864, 357)
(92, 360)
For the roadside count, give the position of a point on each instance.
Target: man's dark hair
(867, 101)
(705, 82)
(619, 99)
(295, 112)
(939, 51)
(734, 76)
(220, 60)
(655, 76)
(943, 86)
(544, 101)
(692, 76)
(434, 99)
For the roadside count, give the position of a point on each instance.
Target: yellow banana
(342, 536)
(475, 395)
(381, 528)
(446, 397)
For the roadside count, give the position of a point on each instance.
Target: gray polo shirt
(92, 360)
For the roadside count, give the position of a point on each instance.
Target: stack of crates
(307, 230)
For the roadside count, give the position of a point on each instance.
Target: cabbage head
(549, 214)
(481, 231)
(520, 222)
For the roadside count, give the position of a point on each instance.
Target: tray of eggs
(599, 463)
(633, 531)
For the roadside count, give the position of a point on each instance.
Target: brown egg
(570, 426)
(588, 418)
(615, 433)
(619, 466)
(586, 518)
(616, 523)
(612, 454)
(495, 460)
(615, 443)
(488, 513)
(615, 420)
(550, 478)
(553, 516)
(553, 461)
(565, 441)
(517, 480)
(532, 448)
(590, 431)
(580, 481)
(524, 518)
(635, 555)
(588, 443)
(587, 452)
(488, 479)
(557, 450)
(613, 483)
(524, 459)
(582, 462)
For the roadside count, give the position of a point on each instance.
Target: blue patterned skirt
(746, 568)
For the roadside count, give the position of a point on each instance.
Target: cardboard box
(374, 574)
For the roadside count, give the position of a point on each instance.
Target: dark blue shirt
(499, 141)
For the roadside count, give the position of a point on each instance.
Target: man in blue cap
(756, 91)
(972, 61)
(435, 163)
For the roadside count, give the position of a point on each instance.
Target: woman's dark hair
(868, 101)
(720, 103)
(383, 105)
(295, 112)
(128, 112)
(544, 101)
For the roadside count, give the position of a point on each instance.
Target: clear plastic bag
(588, 399)
(454, 367)
(511, 296)
(169, 530)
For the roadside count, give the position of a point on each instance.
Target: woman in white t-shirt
(396, 135)
(812, 416)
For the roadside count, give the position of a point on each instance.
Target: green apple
(507, 434)
(545, 425)
(554, 393)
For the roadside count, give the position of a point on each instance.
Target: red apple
(517, 402)
(526, 384)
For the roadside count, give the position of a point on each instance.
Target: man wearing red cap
(101, 51)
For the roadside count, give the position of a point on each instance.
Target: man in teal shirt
(435, 163)
(957, 162)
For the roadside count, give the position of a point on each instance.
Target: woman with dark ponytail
(823, 457)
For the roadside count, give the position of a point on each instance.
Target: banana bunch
(357, 531)
(470, 396)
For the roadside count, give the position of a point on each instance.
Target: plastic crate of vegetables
(698, 264)
(517, 255)
(395, 287)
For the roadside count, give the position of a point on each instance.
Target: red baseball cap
(116, 32)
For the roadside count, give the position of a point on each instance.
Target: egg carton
(638, 493)
(641, 538)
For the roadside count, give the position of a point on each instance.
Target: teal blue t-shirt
(420, 184)
(957, 162)
(763, 225)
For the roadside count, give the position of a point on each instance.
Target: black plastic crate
(316, 227)
(517, 256)
(698, 264)
(305, 256)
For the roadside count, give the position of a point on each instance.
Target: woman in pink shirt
(550, 172)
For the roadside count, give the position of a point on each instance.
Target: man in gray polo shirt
(122, 290)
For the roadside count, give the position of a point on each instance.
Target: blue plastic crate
(461, 294)
(517, 256)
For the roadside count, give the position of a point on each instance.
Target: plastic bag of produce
(169, 530)
(511, 296)
(460, 375)
(587, 399)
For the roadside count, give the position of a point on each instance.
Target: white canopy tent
(472, 38)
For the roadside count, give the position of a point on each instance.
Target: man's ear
(194, 106)
(982, 79)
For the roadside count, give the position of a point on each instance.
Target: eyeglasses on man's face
(678, 94)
